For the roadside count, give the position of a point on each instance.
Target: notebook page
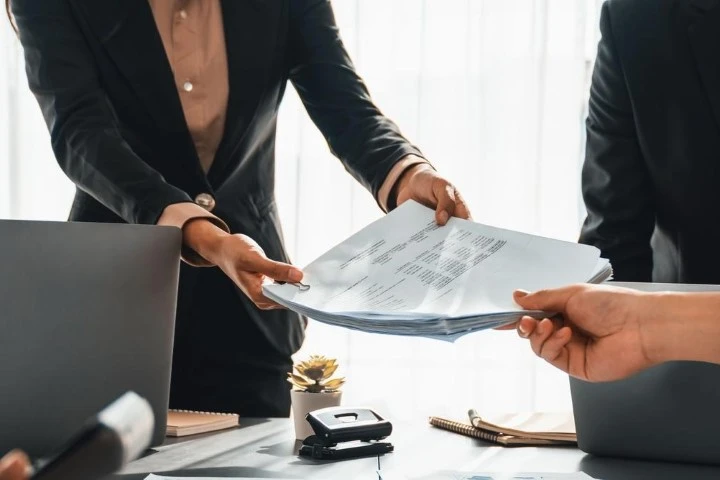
(533, 422)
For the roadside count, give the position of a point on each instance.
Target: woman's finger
(279, 271)
(445, 195)
(262, 302)
(269, 306)
(461, 208)
(251, 284)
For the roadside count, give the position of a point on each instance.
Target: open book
(405, 275)
(515, 429)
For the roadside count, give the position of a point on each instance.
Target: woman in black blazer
(112, 80)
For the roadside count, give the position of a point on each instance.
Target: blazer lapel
(127, 31)
(704, 35)
(252, 33)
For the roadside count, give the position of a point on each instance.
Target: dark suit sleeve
(83, 129)
(336, 98)
(616, 184)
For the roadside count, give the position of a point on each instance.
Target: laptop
(668, 412)
(88, 313)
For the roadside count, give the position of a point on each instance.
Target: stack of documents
(405, 275)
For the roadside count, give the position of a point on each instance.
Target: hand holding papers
(404, 275)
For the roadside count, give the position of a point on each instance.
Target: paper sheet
(404, 263)
(539, 422)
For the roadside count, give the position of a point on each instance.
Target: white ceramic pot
(304, 402)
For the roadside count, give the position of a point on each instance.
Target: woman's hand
(14, 466)
(424, 185)
(603, 335)
(241, 258)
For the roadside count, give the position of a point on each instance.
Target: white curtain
(494, 92)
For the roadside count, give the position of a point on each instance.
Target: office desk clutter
(405, 275)
(262, 448)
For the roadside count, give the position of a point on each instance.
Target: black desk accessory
(342, 432)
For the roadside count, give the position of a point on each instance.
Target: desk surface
(265, 448)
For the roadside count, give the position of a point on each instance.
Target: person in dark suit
(164, 112)
(652, 169)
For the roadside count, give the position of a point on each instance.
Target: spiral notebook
(516, 429)
(186, 422)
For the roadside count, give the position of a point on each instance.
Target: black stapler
(342, 432)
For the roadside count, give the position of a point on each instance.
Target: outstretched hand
(600, 337)
(242, 259)
(424, 185)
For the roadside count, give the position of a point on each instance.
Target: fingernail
(522, 330)
(295, 275)
(443, 217)
(521, 293)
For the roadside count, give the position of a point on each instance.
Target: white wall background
(493, 92)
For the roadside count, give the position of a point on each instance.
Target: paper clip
(301, 286)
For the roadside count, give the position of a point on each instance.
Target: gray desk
(266, 449)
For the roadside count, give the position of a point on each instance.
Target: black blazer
(103, 81)
(651, 179)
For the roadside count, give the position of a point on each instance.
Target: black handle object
(335, 425)
(345, 451)
(108, 441)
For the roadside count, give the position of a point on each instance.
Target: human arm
(609, 333)
(370, 145)
(616, 185)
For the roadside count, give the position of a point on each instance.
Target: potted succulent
(315, 388)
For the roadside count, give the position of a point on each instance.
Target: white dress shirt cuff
(401, 166)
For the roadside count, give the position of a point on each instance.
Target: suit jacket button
(206, 201)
